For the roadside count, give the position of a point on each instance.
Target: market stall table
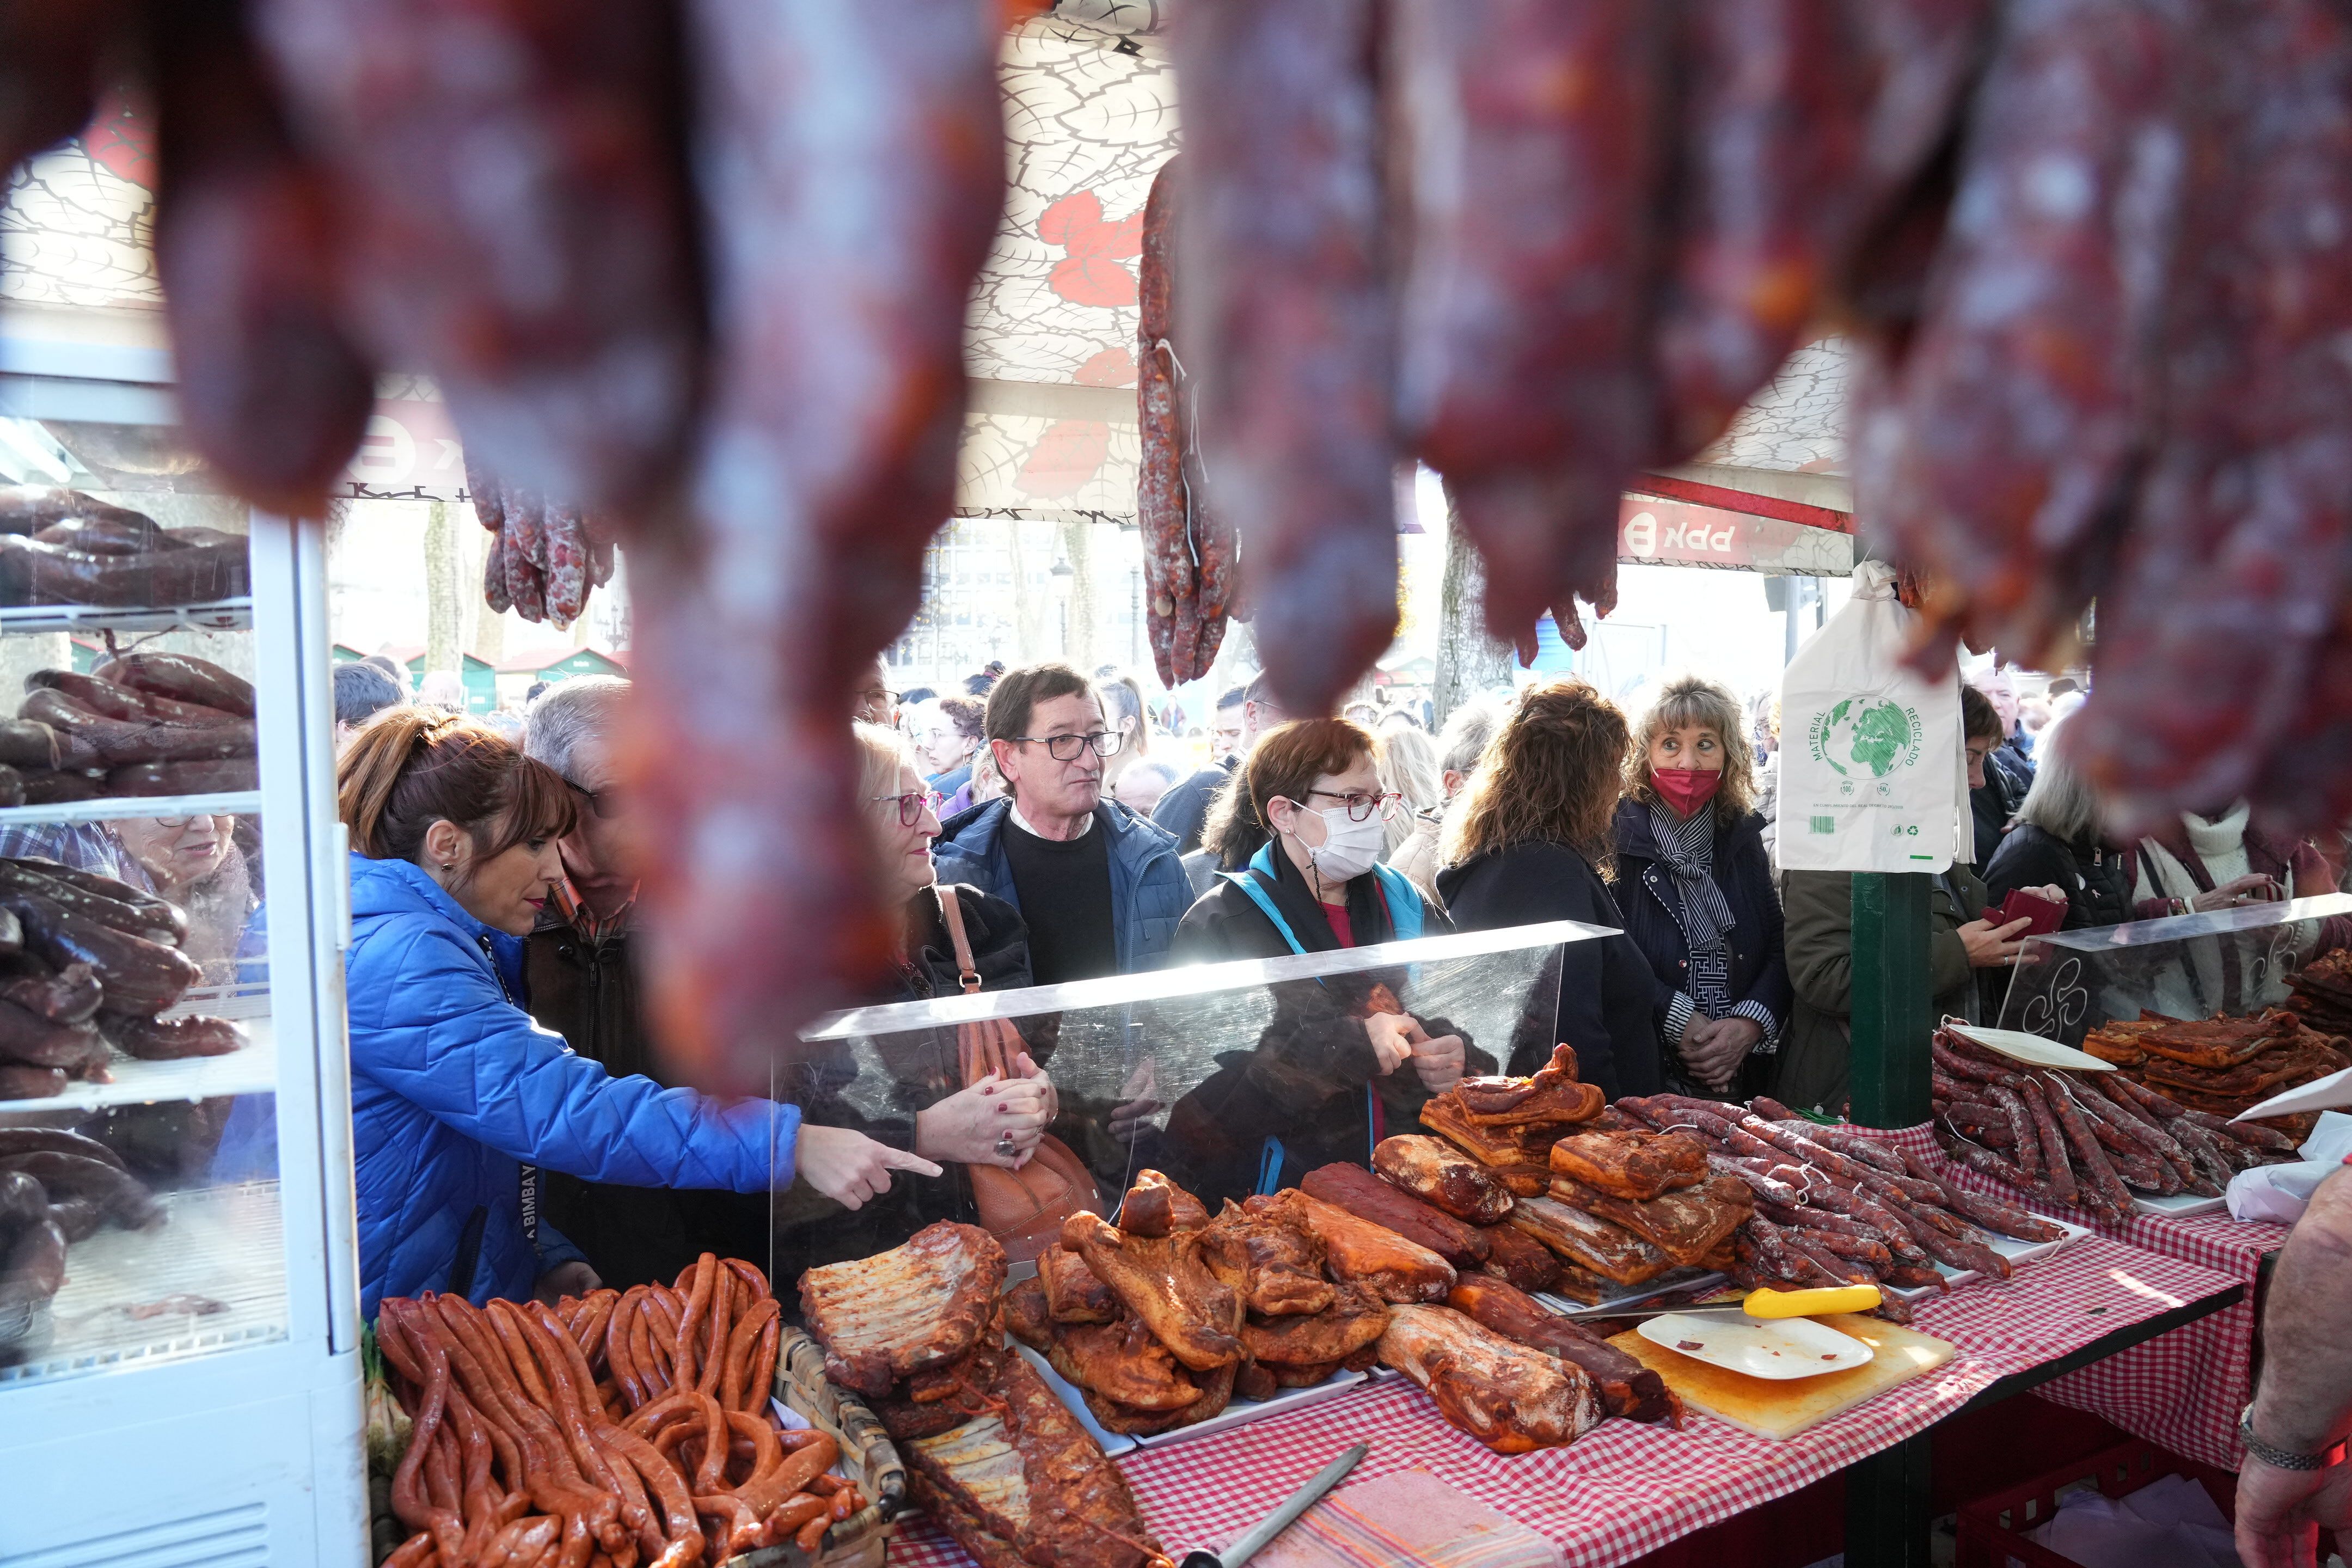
(1627, 1489)
(2185, 1391)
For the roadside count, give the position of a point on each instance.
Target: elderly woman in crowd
(195, 862)
(917, 1102)
(1532, 844)
(1344, 1061)
(1695, 886)
(2059, 845)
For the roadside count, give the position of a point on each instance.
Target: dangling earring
(448, 864)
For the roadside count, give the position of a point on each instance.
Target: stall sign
(1655, 532)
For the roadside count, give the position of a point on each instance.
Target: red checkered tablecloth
(1625, 1489)
(2183, 1390)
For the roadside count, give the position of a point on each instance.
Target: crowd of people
(517, 1131)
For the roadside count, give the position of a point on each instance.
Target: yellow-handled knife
(1762, 1303)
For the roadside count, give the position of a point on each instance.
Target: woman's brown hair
(1550, 775)
(1286, 762)
(1685, 700)
(411, 767)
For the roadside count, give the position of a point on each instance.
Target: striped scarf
(1686, 846)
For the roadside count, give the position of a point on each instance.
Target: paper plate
(1775, 1348)
(2031, 1049)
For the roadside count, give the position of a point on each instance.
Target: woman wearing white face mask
(1345, 1061)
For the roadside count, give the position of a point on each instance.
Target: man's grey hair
(569, 712)
(362, 691)
(1467, 731)
(2061, 801)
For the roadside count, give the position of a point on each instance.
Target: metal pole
(1893, 1002)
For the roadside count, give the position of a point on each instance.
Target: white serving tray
(1781, 1349)
(1242, 1411)
(2032, 1049)
(2019, 1254)
(2179, 1206)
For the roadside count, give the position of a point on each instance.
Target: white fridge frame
(249, 1454)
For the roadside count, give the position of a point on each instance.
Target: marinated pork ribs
(914, 1308)
(1627, 1388)
(1025, 1485)
(1436, 1172)
(1509, 1396)
(1634, 1165)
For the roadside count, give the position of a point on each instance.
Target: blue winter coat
(1149, 889)
(454, 1090)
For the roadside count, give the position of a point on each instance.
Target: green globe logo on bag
(1867, 735)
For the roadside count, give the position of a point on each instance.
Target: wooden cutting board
(1782, 1409)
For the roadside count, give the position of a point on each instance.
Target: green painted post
(1893, 1003)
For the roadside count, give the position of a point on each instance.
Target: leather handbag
(1023, 1209)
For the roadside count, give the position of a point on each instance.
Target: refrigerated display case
(1228, 1076)
(191, 1393)
(2235, 960)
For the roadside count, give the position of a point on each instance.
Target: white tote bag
(1872, 775)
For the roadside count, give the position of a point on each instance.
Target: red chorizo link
(2101, 1188)
(526, 552)
(740, 1346)
(408, 1497)
(1525, 372)
(2058, 1169)
(1766, 199)
(683, 1532)
(566, 546)
(277, 393)
(618, 1353)
(1990, 1213)
(1294, 340)
(759, 1385)
(697, 1307)
(494, 576)
(1168, 573)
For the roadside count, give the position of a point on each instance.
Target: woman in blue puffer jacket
(457, 1097)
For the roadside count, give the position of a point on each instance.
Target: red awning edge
(1728, 499)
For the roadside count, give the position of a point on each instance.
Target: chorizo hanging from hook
(1287, 307)
(1526, 375)
(519, 219)
(271, 391)
(852, 159)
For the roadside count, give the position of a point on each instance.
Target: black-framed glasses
(912, 805)
(606, 803)
(1360, 808)
(1069, 748)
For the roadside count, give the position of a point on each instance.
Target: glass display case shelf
(250, 1070)
(230, 803)
(215, 615)
(211, 1278)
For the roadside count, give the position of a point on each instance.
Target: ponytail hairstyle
(413, 767)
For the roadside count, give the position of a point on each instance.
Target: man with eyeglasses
(1100, 888)
(871, 701)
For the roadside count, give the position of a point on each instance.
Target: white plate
(1776, 1348)
(1631, 1295)
(1243, 1410)
(2179, 1206)
(2019, 1046)
(2017, 1253)
(1114, 1444)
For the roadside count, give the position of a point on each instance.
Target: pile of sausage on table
(87, 962)
(2087, 1140)
(623, 1429)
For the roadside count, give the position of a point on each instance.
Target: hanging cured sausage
(852, 175)
(1287, 306)
(518, 219)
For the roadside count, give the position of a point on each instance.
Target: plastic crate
(1992, 1530)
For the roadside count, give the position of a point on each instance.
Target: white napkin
(2278, 1192)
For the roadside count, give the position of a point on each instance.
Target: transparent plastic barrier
(2234, 961)
(1228, 1076)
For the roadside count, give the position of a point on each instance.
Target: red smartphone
(2023, 903)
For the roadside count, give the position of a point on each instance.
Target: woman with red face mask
(1696, 888)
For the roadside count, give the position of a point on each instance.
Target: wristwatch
(2284, 1459)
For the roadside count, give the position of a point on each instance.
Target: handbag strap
(952, 916)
